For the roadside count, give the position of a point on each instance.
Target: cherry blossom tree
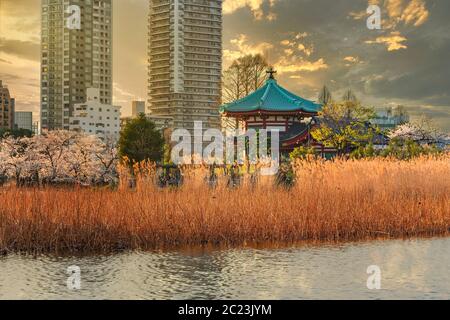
(107, 159)
(53, 147)
(422, 131)
(58, 157)
(14, 153)
(3, 167)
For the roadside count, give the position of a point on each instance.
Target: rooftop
(271, 98)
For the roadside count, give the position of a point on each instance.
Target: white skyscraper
(75, 55)
(185, 61)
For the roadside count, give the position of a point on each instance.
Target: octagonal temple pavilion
(273, 107)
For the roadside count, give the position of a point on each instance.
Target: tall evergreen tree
(140, 140)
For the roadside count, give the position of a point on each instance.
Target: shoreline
(198, 250)
(337, 201)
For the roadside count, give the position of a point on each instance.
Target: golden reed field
(342, 200)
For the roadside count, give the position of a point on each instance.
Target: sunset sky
(310, 43)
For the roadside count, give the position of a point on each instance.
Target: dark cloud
(25, 81)
(418, 76)
(9, 77)
(5, 61)
(21, 16)
(22, 49)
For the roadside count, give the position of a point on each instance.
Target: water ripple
(410, 269)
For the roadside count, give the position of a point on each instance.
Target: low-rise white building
(95, 118)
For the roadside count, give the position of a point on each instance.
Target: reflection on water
(410, 269)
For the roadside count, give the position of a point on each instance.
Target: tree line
(65, 157)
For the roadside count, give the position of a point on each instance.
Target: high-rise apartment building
(7, 106)
(185, 61)
(23, 120)
(137, 107)
(75, 55)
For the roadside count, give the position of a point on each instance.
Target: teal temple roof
(271, 98)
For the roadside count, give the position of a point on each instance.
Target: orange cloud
(285, 59)
(243, 47)
(298, 64)
(393, 42)
(307, 50)
(287, 43)
(351, 59)
(230, 6)
(398, 11)
(415, 13)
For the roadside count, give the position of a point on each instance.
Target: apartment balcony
(202, 87)
(206, 37)
(158, 87)
(161, 4)
(158, 67)
(190, 59)
(215, 83)
(159, 94)
(160, 22)
(188, 24)
(201, 94)
(153, 100)
(155, 38)
(202, 17)
(159, 9)
(158, 73)
(203, 9)
(202, 67)
(161, 108)
(163, 30)
(163, 77)
(193, 21)
(153, 46)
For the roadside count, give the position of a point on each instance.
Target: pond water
(412, 269)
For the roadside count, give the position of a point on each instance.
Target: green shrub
(303, 153)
